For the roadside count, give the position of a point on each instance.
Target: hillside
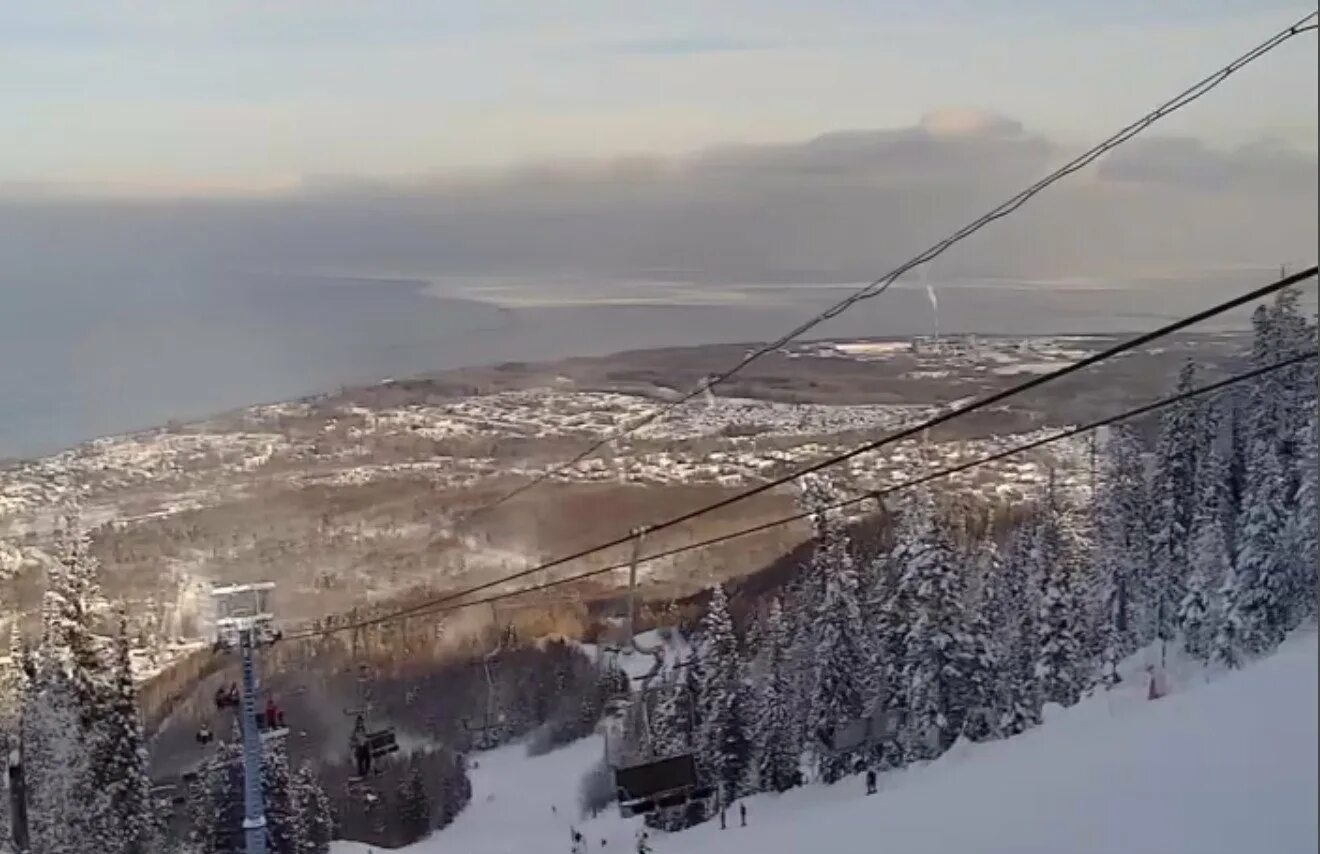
(1222, 765)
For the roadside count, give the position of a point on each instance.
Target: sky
(692, 140)
(207, 97)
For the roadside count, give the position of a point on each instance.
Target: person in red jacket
(272, 713)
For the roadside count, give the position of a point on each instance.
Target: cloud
(968, 121)
(1187, 162)
(842, 206)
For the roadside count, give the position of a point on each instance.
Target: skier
(204, 735)
(643, 843)
(1157, 687)
(578, 846)
(742, 814)
(870, 781)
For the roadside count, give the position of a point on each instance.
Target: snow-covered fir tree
(1060, 660)
(414, 807)
(73, 590)
(752, 639)
(1226, 647)
(129, 824)
(1197, 612)
(1173, 495)
(840, 665)
(1196, 621)
(689, 700)
(670, 725)
(200, 810)
(68, 696)
(284, 815)
(986, 567)
(1281, 400)
(1011, 606)
(939, 656)
(13, 681)
(889, 609)
(318, 818)
(55, 766)
(776, 737)
(1302, 535)
(1279, 437)
(13, 687)
(724, 746)
(215, 802)
(815, 495)
(1121, 551)
(977, 693)
(798, 615)
(1256, 604)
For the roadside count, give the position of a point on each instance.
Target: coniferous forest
(1197, 538)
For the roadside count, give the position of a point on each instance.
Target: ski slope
(1220, 766)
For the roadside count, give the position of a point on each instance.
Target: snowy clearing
(1218, 768)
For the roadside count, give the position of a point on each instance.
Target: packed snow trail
(1219, 768)
(523, 805)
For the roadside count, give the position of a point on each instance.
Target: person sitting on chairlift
(226, 697)
(274, 718)
(361, 749)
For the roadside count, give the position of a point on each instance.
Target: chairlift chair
(880, 726)
(658, 784)
(371, 746)
(493, 717)
(368, 746)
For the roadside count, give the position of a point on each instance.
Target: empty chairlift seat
(658, 784)
(382, 743)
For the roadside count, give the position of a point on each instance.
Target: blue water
(79, 360)
(80, 357)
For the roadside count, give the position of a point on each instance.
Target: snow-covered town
(338, 442)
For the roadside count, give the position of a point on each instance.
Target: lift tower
(244, 621)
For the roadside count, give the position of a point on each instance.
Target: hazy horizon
(181, 184)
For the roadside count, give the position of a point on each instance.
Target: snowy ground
(1220, 766)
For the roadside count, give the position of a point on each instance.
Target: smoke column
(934, 301)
